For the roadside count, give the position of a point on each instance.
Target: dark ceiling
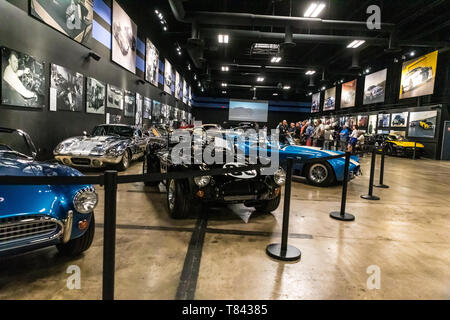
(420, 26)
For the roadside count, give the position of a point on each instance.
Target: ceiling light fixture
(286, 87)
(223, 38)
(224, 92)
(355, 44)
(275, 94)
(225, 68)
(314, 9)
(310, 72)
(224, 85)
(275, 59)
(412, 53)
(260, 79)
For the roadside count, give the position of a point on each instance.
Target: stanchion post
(109, 237)
(383, 154)
(342, 215)
(370, 196)
(284, 251)
(414, 150)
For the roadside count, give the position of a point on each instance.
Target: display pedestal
(370, 197)
(290, 254)
(346, 217)
(383, 186)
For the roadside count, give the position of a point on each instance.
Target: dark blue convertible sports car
(61, 215)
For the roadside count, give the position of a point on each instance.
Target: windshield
(14, 142)
(122, 131)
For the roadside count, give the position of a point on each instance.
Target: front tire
(125, 162)
(76, 246)
(320, 174)
(178, 201)
(269, 205)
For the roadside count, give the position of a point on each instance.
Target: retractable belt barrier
(110, 180)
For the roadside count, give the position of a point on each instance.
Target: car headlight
(59, 148)
(85, 200)
(202, 181)
(114, 152)
(280, 177)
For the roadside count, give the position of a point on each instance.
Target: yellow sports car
(397, 145)
(426, 125)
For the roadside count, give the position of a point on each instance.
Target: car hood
(40, 199)
(84, 146)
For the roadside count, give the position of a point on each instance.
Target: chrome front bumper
(88, 161)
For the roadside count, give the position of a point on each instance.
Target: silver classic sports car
(108, 145)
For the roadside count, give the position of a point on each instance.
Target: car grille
(243, 187)
(33, 228)
(81, 161)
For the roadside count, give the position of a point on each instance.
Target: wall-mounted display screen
(114, 98)
(66, 89)
(147, 108)
(23, 80)
(124, 39)
(372, 126)
(384, 120)
(129, 106)
(168, 77)
(315, 105)
(72, 18)
(399, 119)
(422, 124)
(95, 96)
(375, 87)
(418, 76)
(248, 110)
(151, 63)
(348, 94)
(329, 102)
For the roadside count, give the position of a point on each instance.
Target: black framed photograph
(66, 89)
(375, 87)
(115, 97)
(124, 39)
(139, 105)
(95, 96)
(23, 80)
(147, 108)
(129, 104)
(70, 17)
(151, 63)
(422, 124)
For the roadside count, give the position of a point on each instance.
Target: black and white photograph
(422, 124)
(399, 119)
(95, 96)
(156, 112)
(185, 92)
(115, 118)
(129, 104)
(315, 105)
(70, 17)
(147, 108)
(139, 104)
(329, 102)
(23, 80)
(384, 120)
(151, 63)
(124, 39)
(115, 97)
(168, 77)
(375, 87)
(66, 89)
(178, 86)
(372, 127)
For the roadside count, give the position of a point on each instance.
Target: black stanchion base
(382, 186)
(337, 215)
(369, 197)
(274, 251)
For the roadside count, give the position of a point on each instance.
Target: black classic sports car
(263, 192)
(108, 145)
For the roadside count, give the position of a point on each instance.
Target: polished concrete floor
(405, 236)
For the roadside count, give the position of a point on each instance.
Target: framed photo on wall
(168, 77)
(147, 108)
(124, 39)
(23, 80)
(70, 17)
(399, 119)
(384, 120)
(115, 97)
(139, 105)
(375, 87)
(129, 104)
(151, 63)
(66, 89)
(372, 126)
(422, 124)
(95, 96)
(329, 102)
(348, 94)
(315, 105)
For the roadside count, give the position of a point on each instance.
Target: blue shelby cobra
(37, 216)
(319, 173)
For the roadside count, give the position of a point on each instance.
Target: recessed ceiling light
(275, 59)
(355, 44)
(412, 53)
(310, 72)
(224, 92)
(314, 9)
(224, 84)
(225, 68)
(260, 79)
(286, 87)
(367, 70)
(275, 94)
(156, 11)
(165, 28)
(323, 88)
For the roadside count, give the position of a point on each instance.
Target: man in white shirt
(18, 94)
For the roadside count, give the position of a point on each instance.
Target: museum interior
(224, 150)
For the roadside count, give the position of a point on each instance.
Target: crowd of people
(327, 135)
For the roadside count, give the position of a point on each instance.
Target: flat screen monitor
(248, 110)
